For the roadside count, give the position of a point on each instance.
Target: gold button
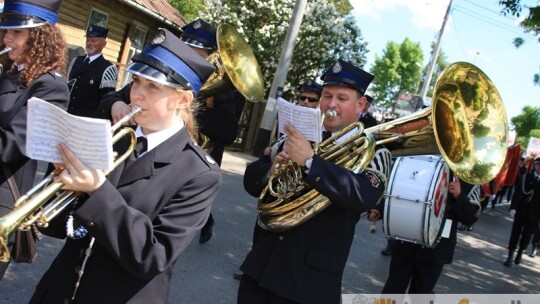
(281, 238)
(90, 224)
(318, 178)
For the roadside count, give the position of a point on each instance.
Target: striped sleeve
(109, 78)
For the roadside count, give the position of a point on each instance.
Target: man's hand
(297, 146)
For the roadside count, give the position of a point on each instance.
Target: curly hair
(45, 51)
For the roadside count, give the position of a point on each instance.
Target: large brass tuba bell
(236, 67)
(466, 124)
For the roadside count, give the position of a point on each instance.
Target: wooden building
(131, 24)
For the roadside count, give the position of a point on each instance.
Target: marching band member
(127, 234)
(305, 263)
(35, 67)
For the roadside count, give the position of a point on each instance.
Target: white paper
(90, 139)
(306, 120)
(446, 229)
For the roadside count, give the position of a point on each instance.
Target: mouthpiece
(372, 228)
(330, 114)
(6, 50)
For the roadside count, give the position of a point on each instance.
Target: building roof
(159, 9)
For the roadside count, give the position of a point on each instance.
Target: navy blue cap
(344, 74)
(369, 98)
(200, 34)
(169, 61)
(537, 160)
(311, 86)
(97, 31)
(29, 13)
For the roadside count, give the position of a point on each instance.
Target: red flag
(513, 156)
(500, 179)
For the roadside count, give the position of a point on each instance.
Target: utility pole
(427, 81)
(269, 116)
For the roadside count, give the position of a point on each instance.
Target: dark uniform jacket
(529, 205)
(142, 219)
(306, 263)
(13, 112)
(457, 210)
(89, 83)
(368, 120)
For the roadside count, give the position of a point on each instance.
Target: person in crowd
(525, 209)
(35, 67)
(414, 268)
(365, 117)
(123, 239)
(91, 76)
(305, 263)
(218, 115)
(309, 94)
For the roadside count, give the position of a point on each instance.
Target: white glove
(512, 212)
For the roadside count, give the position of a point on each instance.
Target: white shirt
(156, 138)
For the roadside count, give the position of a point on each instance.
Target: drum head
(416, 199)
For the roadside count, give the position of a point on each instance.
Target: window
(97, 17)
(138, 37)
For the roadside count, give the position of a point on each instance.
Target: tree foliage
(324, 36)
(526, 124)
(189, 8)
(396, 71)
(530, 24)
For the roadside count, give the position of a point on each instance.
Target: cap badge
(197, 24)
(91, 29)
(309, 83)
(336, 68)
(159, 38)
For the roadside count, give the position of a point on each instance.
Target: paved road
(203, 274)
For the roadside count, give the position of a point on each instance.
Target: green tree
(342, 6)
(396, 71)
(526, 124)
(189, 9)
(530, 24)
(325, 35)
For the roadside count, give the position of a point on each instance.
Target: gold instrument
(5, 50)
(236, 68)
(36, 205)
(466, 124)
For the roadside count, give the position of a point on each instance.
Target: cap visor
(145, 71)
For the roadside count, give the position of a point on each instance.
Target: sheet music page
(306, 120)
(90, 139)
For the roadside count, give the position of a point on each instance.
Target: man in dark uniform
(365, 117)
(18, 16)
(525, 209)
(91, 76)
(305, 263)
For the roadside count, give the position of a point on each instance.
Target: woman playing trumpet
(34, 66)
(135, 223)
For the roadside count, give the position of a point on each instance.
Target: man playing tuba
(305, 263)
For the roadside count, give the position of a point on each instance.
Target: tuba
(36, 206)
(466, 125)
(236, 68)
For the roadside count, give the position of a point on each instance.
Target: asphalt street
(204, 273)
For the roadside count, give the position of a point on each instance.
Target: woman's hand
(76, 176)
(454, 188)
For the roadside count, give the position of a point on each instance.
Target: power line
(489, 20)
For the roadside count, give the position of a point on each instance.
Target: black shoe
(387, 251)
(508, 262)
(533, 253)
(517, 260)
(206, 231)
(238, 275)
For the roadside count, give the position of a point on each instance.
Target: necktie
(86, 60)
(141, 147)
(326, 135)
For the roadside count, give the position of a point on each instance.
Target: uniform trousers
(422, 276)
(250, 292)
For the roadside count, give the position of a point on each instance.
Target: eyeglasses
(310, 99)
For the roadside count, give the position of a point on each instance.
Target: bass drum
(415, 202)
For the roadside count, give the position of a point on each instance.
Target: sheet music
(90, 139)
(306, 120)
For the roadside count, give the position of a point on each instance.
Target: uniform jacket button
(90, 224)
(281, 237)
(318, 178)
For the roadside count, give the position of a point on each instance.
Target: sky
(476, 32)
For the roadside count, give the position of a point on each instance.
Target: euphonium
(466, 124)
(36, 206)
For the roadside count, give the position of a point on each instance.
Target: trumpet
(36, 206)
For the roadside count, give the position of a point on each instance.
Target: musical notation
(48, 126)
(306, 120)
